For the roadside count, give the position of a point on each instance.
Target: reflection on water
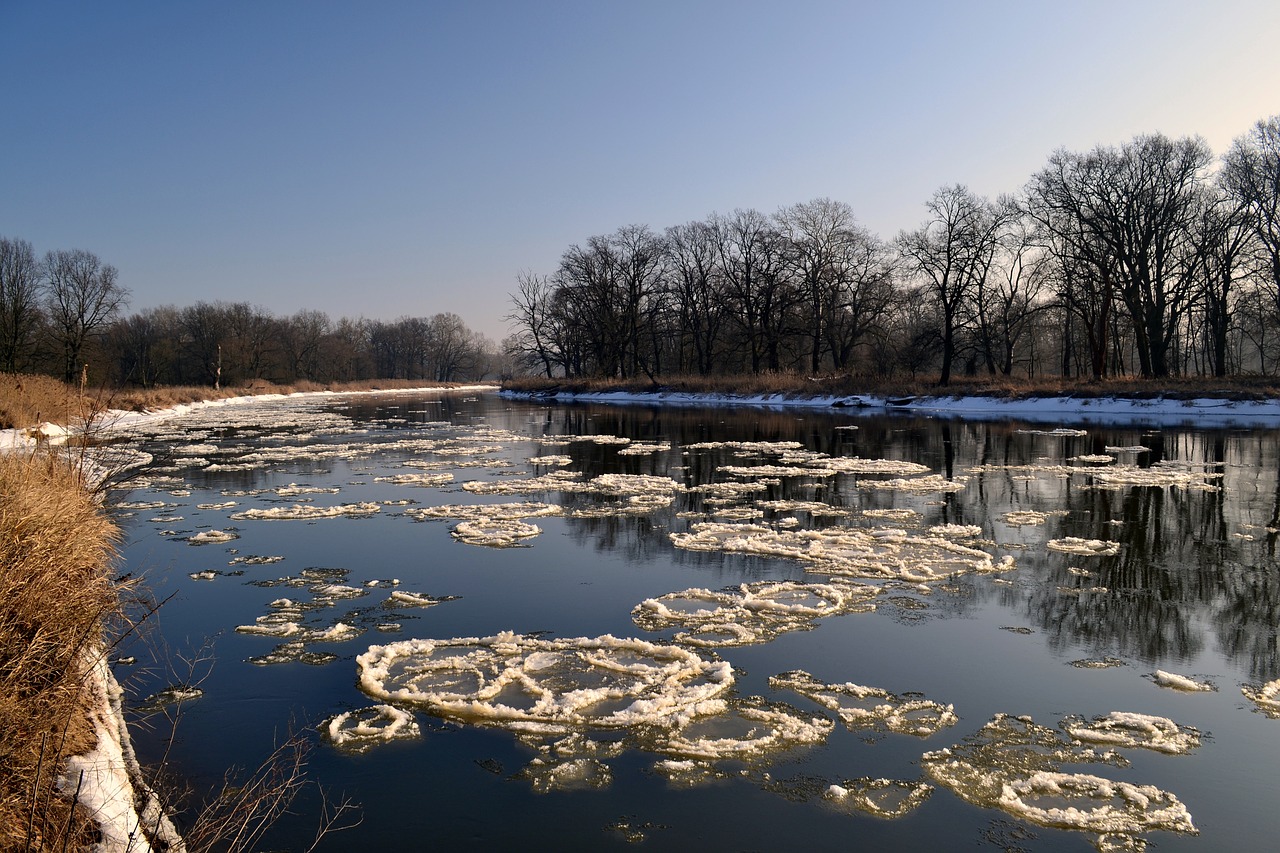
(576, 627)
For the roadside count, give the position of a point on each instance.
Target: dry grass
(798, 385)
(56, 595)
(27, 400)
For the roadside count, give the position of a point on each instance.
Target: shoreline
(1115, 410)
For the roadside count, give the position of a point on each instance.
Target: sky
(397, 158)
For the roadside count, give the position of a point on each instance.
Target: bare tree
(83, 296)
(696, 289)
(752, 260)
(951, 255)
(21, 291)
(1251, 176)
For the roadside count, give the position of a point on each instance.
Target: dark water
(1192, 590)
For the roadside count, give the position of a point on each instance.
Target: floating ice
(1093, 459)
(294, 490)
(956, 531)
(862, 707)
(481, 512)
(1143, 731)
(223, 505)
(308, 512)
(494, 533)
(551, 460)
(814, 508)
(885, 798)
(545, 685)
(774, 447)
(255, 560)
(854, 465)
(1181, 682)
(849, 552)
(1061, 432)
(553, 481)
(416, 479)
(404, 598)
(908, 516)
(1090, 803)
(744, 729)
(775, 471)
(919, 485)
(1014, 764)
(1020, 517)
(360, 731)
(1266, 697)
(209, 537)
(1084, 547)
(1156, 476)
(751, 613)
(175, 695)
(639, 448)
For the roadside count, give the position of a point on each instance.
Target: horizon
(413, 159)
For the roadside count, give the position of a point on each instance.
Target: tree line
(1151, 258)
(64, 314)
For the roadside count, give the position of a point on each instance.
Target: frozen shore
(1110, 411)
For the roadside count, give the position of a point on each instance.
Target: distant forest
(63, 314)
(1154, 258)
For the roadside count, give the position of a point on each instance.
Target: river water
(507, 625)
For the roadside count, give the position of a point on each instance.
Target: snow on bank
(108, 780)
(1158, 411)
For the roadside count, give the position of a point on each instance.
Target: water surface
(974, 624)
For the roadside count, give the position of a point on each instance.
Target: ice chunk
(1181, 682)
(495, 533)
(208, 537)
(1090, 803)
(884, 798)
(861, 707)
(309, 511)
(1134, 730)
(360, 731)
(1084, 547)
(534, 684)
(1266, 697)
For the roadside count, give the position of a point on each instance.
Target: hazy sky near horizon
(405, 158)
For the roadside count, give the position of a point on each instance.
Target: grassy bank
(796, 385)
(27, 400)
(56, 599)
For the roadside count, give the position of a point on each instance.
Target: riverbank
(1252, 404)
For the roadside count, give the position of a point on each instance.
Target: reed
(56, 599)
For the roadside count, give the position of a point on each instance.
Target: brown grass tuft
(56, 595)
(27, 400)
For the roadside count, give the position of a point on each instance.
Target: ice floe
(495, 532)
(884, 798)
(209, 537)
(848, 552)
(1185, 683)
(1266, 697)
(860, 707)
(1014, 764)
(1143, 731)
(546, 685)
(362, 730)
(308, 512)
(750, 613)
(1084, 547)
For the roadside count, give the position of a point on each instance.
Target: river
(508, 625)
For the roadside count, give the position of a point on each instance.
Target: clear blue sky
(386, 158)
